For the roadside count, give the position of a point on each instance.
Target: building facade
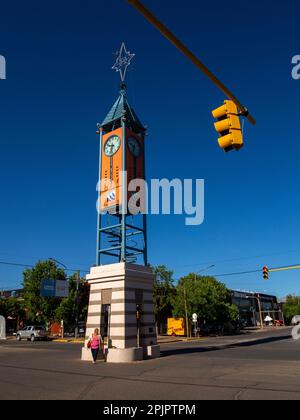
(255, 306)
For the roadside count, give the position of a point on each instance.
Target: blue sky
(60, 84)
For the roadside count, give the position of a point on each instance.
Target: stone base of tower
(121, 307)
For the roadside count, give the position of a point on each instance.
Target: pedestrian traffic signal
(228, 125)
(266, 273)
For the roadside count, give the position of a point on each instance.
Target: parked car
(296, 320)
(32, 333)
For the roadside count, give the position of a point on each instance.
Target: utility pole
(186, 314)
(77, 293)
(260, 313)
(259, 308)
(77, 303)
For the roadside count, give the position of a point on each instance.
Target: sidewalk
(246, 335)
(68, 340)
(53, 339)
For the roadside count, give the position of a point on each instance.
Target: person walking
(94, 344)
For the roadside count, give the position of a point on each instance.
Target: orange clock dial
(112, 165)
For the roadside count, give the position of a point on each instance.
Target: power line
(236, 273)
(36, 257)
(236, 259)
(31, 266)
(16, 264)
(231, 274)
(282, 268)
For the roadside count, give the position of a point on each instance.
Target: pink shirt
(95, 342)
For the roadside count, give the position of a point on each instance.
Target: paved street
(268, 367)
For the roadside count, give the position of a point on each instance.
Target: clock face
(112, 145)
(134, 146)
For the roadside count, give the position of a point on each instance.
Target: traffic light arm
(178, 44)
(289, 267)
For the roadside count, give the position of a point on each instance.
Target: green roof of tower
(122, 108)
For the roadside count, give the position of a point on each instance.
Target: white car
(296, 320)
(32, 333)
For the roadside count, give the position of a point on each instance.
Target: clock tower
(121, 234)
(121, 282)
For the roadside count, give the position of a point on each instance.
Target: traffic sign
(54, 288)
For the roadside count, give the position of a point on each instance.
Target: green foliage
(67, 310)
(14, 308)
(49, 309)
(291, 307)
(41, 309)
(163, 296)
(206, 297)
(163, 290)
(3, 307)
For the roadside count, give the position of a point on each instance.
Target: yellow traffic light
(228, 126)
(265, 273)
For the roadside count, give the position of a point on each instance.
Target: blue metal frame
(99, 202)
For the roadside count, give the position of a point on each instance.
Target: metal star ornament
(123, 61)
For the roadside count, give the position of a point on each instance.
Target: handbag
(89, 344)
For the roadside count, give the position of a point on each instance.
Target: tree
(41, 309)
(163, 295)
(3, 307)
(206, 297)
(67, 309)
(13, 310)
(291, 307)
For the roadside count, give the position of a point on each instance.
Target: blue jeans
(95, 354)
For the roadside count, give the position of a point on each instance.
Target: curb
(67, 341)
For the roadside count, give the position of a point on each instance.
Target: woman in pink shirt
(94, 343)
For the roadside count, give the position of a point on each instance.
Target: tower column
(121, 306)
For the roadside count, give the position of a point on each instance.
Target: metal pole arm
(178, 44)
(289, 267)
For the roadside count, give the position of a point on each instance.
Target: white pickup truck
(32, 333)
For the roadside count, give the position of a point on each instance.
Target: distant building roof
(11, 293)
(244, 294)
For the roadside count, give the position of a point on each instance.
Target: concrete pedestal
(2, 328)
(153, 352)
(86, 355)
(116, 292)
(133, 354)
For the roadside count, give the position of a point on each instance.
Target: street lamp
(259, 308)
(203, 269)
(58, 262)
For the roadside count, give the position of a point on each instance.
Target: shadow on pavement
(201, 349)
